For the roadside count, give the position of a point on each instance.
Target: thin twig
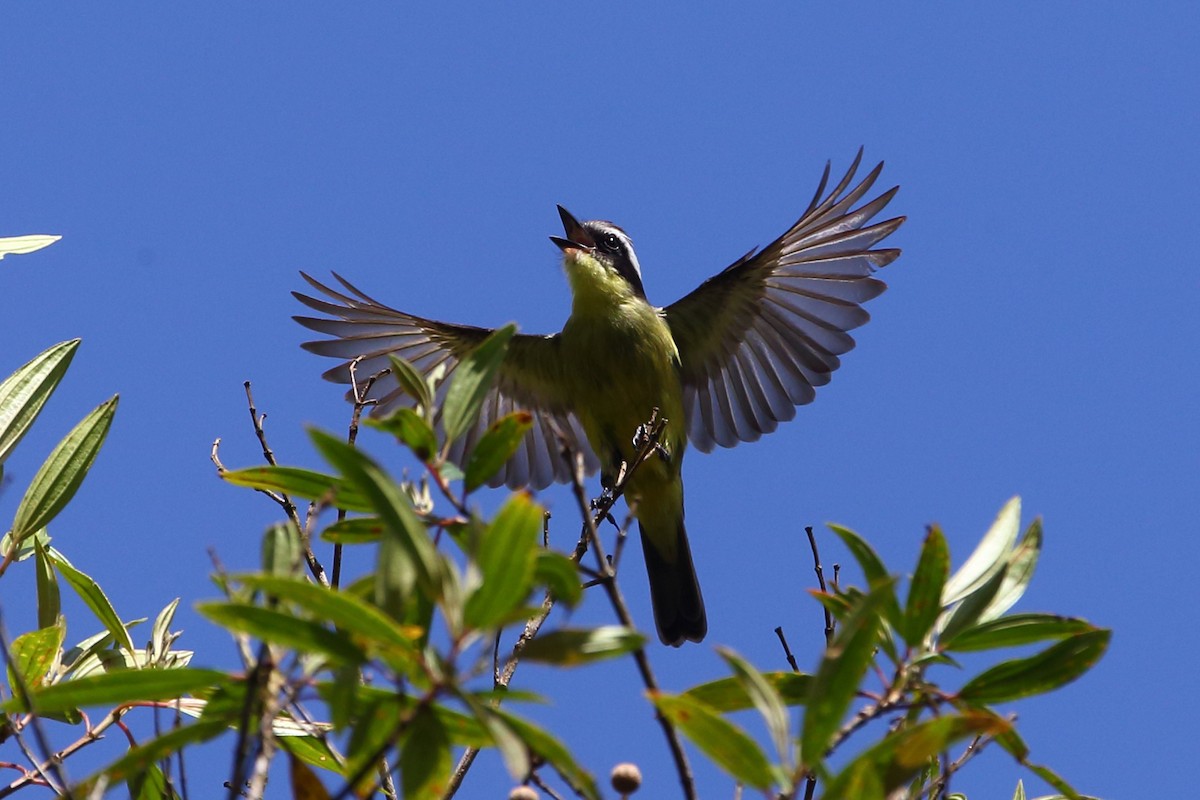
(812, 543)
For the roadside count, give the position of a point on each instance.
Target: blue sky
(1038, 337)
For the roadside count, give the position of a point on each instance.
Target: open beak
(577, 237)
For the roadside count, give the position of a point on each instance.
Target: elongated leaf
(23, 393)
(282, 551)
(20, 245)
(353, 530)
(305, 783)
(49, 599)
(313, 751)
(501, 735)
(1021, 564)
(728, 694)
(549, 748)
(406, 555)
(1015, 630)
(425, 762)
(138, 759)
(93, 596)
(124, 686)
(560, 575)
(766, 700)
(63, 471)
(299, 483)
(470, 383)
(410, 429)
(840, 672)
(719, 739)
(161, 637)
(33, 655)
(571, 647)
(412, 382)
(873, 569)
(925, 592)
(281, 628)
(506, 557)
(151, 785)
(1055, 666)
(495, 447)
(902, 755)
(989, 556)
(970, 609)
(350, 613)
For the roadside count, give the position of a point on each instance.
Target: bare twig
(812, 543)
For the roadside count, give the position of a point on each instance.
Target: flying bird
(725, 364)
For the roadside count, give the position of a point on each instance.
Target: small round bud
(626, 778)
(522, 793)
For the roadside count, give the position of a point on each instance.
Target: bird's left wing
(756, 338)
(363, 328)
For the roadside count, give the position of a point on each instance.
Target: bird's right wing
(529, 379)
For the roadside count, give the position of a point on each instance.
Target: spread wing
(756, 338)
(529, 380)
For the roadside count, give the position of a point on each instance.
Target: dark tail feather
(675, 592)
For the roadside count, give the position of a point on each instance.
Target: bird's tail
(674, 589)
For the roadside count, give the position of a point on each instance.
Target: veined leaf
(410, 429)
(471, 382)
(1015, 630)
(299, 483)
(569, 647)
(63, 471)
(506, 556)
(989, 556)
(720, 739)
(925, 592)
(495, 447)
(93, 596)
(1055, 666)
(284, 629)
(23, 393)
(728, 694)
(124, 686)
(768, 702)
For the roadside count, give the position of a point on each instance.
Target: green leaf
(27, 547)
(312, 750)
(873, 570)
(23, 393)
(353, 530)
(989, 556)
(352, 614)
(925, 592)
(33, 655)
(410, 429)
(766, 700)
(728, 694)
(19, 245)
(299, 482)
(471, 382)
(1051, 777)
(281, 628)
(414, 384)
(139, 759)
(1015, 630)
(49, 599)
(282, 552)
(407, 557)
(559, 575)
(719, 739)
(1055, 666)
(1021, 564)
(124, 686)
(570, 647)
(970, 609)
(63, 471)
(900, 756)
(550, 749)
(495, 448)
(501, 735)
(506, 556)
(425, 762)
(93, 596)
(151, 785)
(841, 670)
(161, 637)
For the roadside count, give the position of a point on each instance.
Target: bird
(724, 364)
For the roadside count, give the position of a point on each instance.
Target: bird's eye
(610, 242)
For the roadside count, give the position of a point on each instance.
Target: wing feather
(756, 338)
(364, 331)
